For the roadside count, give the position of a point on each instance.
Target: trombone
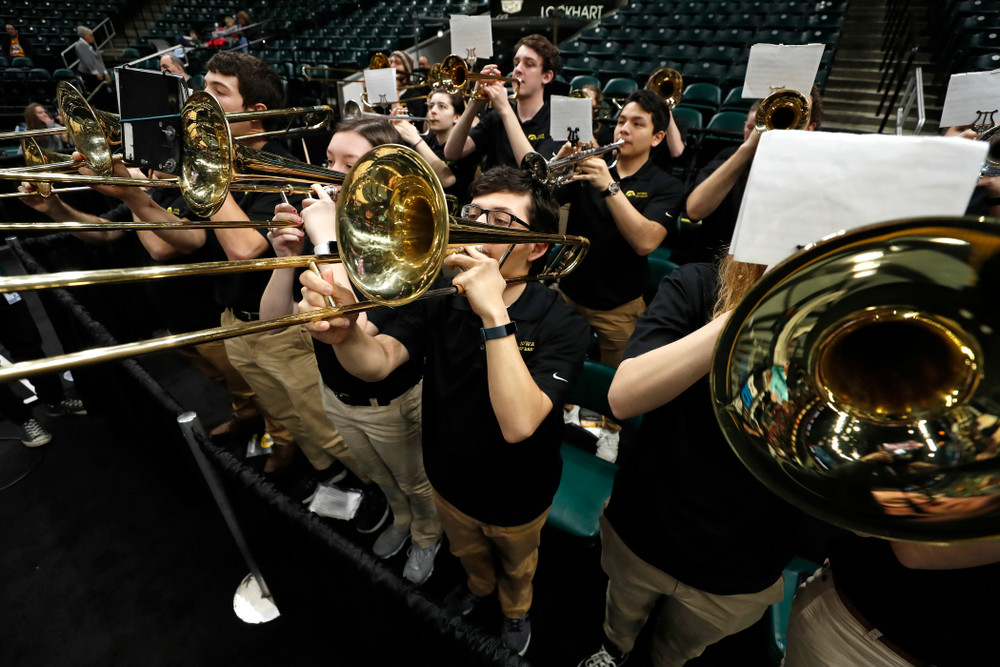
(557, 171)
(352, 111)
(212, 163)
(378, 61)
(393, 231)
(783, 110)
(668, 84)
(454, 76)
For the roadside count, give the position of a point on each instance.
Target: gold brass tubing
(57, 191)
(110, 276)
(75, 226)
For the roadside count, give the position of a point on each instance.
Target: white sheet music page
(805, 186)
(381, 85)
(792, 67)
(968, 94)
(571, 114)
(471, 32)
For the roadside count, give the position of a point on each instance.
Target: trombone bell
(783, 110)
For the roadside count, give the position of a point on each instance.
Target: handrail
(900, 51)
(914, 93)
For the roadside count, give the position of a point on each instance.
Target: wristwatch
(501, 331)
(612, 189)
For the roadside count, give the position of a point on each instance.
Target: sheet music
(792, 66)
(471, 32)
(571, 113)
(381, 85)
(968, 93)
(804, 186)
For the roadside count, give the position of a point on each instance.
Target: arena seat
(735, 102)
(728, 121)
(581, 80)
(688, 116)
(703, 96)
(619, 88)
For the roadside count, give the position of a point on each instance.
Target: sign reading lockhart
(573, 9)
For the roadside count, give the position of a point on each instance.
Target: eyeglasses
(495, 218)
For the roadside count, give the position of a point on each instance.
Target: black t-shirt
(490, 137)
(341, 382)
(242, 291)
(185, 304)
(465, 455)
(943, 617)
(717, 229)
(612, 273)
(683, 502)
(463, 168)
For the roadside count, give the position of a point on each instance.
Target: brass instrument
(668, 84)
(454, 77)
(559, 171)
(600, 111)
(212, 163)
(987, 130)
(352, 110)
(783, 110)
(377, 61)
(393, 233)
(853, 380)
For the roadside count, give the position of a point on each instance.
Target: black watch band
(501, 331)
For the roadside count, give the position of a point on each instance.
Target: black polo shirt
(683, 502)
(612, 273)
(463, 168)
(490, 137)
(341, 382)
(242, 291)
(716, 230)
(185, 304)
(465, 455)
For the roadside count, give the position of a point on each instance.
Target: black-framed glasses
(493, 217)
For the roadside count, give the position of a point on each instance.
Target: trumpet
(378, 61)
(393, 231)
(352, 110)
(558, 171)
(454, 76)
(783, 110)
(668, 84)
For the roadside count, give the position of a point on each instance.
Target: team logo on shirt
(633, 193)
(526, 346)
(536, 137)
(175, 211)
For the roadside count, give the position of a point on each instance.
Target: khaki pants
(690, 619)
(211, 359)
(386, 440)
(613, 327)
(479, 545)
(281, 369)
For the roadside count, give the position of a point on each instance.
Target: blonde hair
(735, 280)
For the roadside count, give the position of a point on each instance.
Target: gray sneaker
(33, 435)
(390, 541)
(420, 563)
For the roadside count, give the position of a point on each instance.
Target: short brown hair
(375, 130)
(541, 45)
(457, 99)
(542, 209)
(258, 83)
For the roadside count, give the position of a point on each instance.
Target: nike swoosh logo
(669, 215)
(556, 376)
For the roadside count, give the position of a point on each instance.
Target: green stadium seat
(659, 266)
(688, 116)
(581, 80)
(23, 62)
(728, 121)
(704, 96)
(619, 88)
(735, 102)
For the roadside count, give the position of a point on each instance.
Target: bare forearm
(675, 142)
(370, 358)
(458, 142)
(444, 174)
(277, 298)
(642, 234)
(921, 556)
(238, 243)
(709, 194)
(655, 378)
(184, 241)
(515, 134)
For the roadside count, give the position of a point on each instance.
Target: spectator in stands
(511, 130)
(718, 193)
(443, 111)
(492, 402)
(171, 64)
(37, 118)
(625, 212)
(423, 63)
(379, 421)
(249, 34)
(20, 336)
(16, 44)
(688, 533)
(91, 65)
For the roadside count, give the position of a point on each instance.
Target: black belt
(246, 315)
(374, 402)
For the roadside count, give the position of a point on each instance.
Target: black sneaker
(373, 511)
(33, 435)
(67, 406)
(460, 601)
(516, 634)
(605, 657)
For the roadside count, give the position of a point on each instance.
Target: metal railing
(899, 46)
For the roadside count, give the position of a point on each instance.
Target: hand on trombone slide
(315, 291)
(481, 282)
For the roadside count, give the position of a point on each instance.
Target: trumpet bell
(392, 225)
(853, 380)
(668, 84)
(783, 110)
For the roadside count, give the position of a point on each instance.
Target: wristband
(418, 142)
(326, 248)
(501, 331)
